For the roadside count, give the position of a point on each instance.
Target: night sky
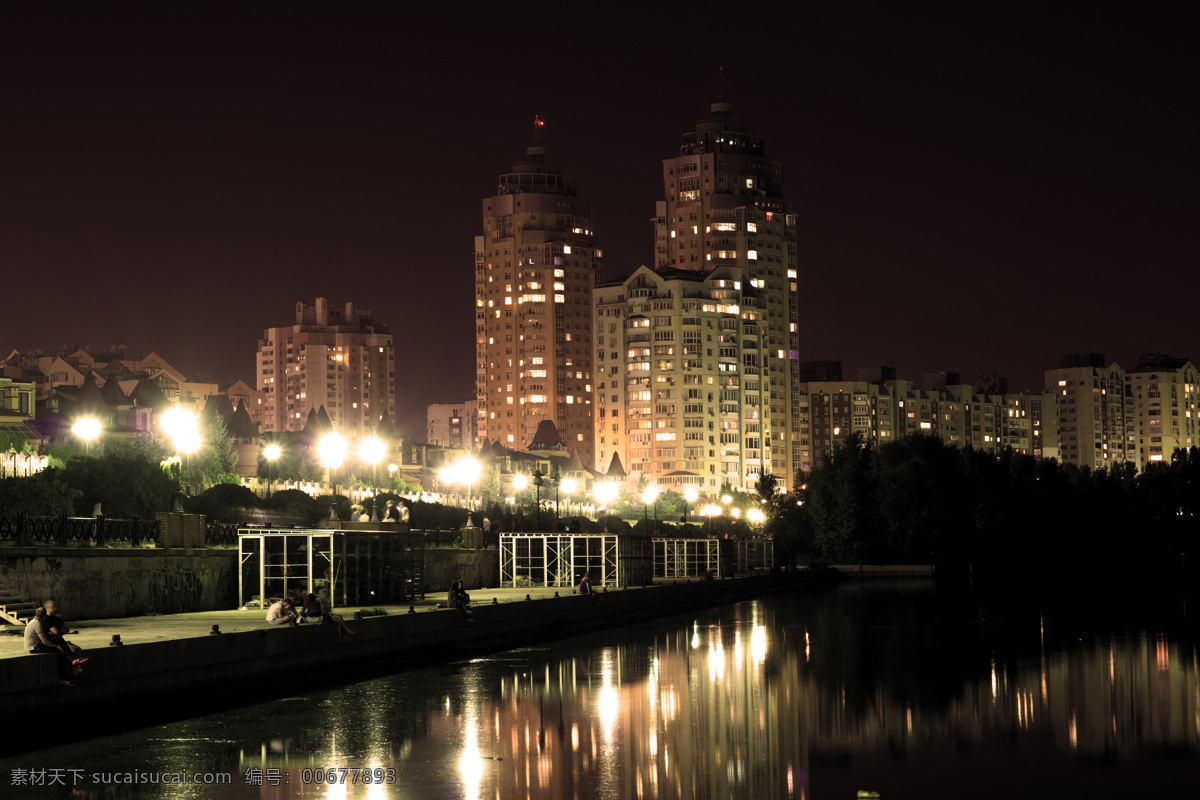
(980, 186)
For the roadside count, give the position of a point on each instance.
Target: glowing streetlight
(331, 452)
(465, 470)
(605, 492)
(691, 494)
(648, 497)
(183, 429)
(88, 429)
(519, 483)
(569, 487)
(755, 515)
(270, 453)
(372, 450)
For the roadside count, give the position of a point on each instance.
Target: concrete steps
(14, 609)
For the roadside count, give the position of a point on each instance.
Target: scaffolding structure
(758, 554)
(693, 558)
(553, 559)
(357, 567)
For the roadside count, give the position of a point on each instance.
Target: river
(899, 689)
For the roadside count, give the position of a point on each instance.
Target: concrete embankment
(141, 683)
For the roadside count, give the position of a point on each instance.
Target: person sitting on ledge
(460, 599)
(37, 640)
(320, 609)
(58, 629)
(393, 512)
(585, 587)
(280, 612)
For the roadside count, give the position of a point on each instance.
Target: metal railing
(64, 531)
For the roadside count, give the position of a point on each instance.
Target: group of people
(394, 512)
(44, 634)
(303, 607)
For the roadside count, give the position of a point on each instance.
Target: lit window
(567, 249)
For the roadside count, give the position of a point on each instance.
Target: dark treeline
(920, 500)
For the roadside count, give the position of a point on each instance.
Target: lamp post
(569, 486)
(88, 429)
(690, 494)
(648, 497)
(537, 482)
(270, 453)
(331, 450)
(372, 450)
(182, 428)
(605, 492)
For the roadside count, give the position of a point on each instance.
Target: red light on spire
(538, 121)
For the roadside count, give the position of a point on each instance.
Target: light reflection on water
(819, 695)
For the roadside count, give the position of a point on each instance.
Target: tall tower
(725, 208)
(535, 266)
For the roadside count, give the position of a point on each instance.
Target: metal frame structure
(276, 561)
(755, 554)
(357, 566)
(691, 558)
(552, 559)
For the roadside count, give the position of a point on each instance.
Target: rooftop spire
(722, 107)
(536, 148)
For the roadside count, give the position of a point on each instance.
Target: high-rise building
(679, 393)
(1163, 393)
(535, 267)
(725, 208)
(1095, 415)
(336, 357)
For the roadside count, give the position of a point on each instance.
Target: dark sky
(980, 186)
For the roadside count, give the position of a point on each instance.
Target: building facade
(334, 357)
(1095, 415)
(680, 396)
(724, 207)
(1163, 393)
(450, 424)
(536, 265)
(888, 409)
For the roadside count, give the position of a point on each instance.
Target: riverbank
(174, 666)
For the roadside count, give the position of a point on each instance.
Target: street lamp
(755, 515)
(648, 497)
(270, 453)
(569, 487)
(183, 429)
(691, 494)
(331, 451)
(537, 482)
(88, 429)
(605, 492)
(371, 450)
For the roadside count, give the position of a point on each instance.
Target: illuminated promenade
(174, 665)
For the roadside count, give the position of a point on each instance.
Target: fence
(64, 531)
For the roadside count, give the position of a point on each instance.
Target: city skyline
(996, 186)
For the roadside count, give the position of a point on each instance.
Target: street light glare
(372, 450)
(87, 428)
(520, 482)
(331, 450)
(605, 491)
(691, 494)
(272, 452)
(182, 428)
(755, 515)
(569, 485)
(650, 494)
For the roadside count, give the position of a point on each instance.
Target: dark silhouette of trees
(920, 500)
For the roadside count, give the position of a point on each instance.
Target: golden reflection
(737, 650)
(470, 764)
(758, 643)
(696, 636)
(716, 662)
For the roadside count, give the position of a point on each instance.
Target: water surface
(892, 688)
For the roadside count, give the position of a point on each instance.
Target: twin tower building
(685, 371)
